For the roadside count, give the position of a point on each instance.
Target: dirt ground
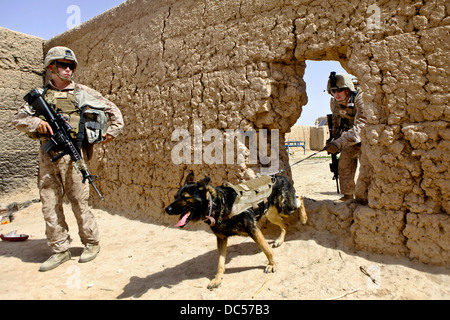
(146, 261)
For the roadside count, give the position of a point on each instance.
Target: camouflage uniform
(61, 178)
(348, 122)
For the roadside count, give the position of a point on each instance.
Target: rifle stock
(60, 140)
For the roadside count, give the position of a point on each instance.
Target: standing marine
(348, 119)
(100, 121)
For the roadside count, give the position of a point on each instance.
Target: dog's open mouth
(183, 220)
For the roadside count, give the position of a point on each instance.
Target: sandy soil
(145, 261)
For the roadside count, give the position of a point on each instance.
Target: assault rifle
(60, 140)
(334, 165)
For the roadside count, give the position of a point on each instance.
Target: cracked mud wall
(239, 65)
(21, 58)
(170, 64)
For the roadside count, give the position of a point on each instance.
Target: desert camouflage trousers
(348, 163)
(57, 180)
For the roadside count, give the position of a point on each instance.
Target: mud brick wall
(170, 64)
(239, 65)
(21, 58)
(405, 163)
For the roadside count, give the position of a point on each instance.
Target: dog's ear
(189, 178)
(204, 182)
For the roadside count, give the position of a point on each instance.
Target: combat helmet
(340, 80)
(58, 53)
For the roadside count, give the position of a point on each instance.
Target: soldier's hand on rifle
(44, 128)
(332, 147)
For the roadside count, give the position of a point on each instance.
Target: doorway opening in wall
(316, 78)
(313, 178)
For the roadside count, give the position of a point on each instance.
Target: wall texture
(169, 64)
(21, 58)
(239, 65)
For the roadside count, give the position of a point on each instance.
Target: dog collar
(210, 220)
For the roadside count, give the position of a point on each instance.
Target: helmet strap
(55, 72)
(345, 99)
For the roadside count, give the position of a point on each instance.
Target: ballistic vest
(65, 102)
(93, 122)
(83, 112)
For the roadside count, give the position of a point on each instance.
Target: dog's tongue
(182, 220)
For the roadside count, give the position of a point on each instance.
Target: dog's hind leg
(274, 217)
(222, 250)
(258, 237)
(300, 204)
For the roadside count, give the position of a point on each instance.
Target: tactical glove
(332, 147)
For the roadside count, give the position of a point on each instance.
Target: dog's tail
(299, 204)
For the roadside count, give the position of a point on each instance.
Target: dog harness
(251, 193)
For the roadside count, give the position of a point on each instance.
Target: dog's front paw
(214, 283)
(271, 268)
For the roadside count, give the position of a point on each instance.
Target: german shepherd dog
(199, 201)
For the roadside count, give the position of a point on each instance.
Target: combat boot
(89, 253)
(55, 260)
(346, 197)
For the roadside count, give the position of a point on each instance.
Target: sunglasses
(65, 65)
(337, 90)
